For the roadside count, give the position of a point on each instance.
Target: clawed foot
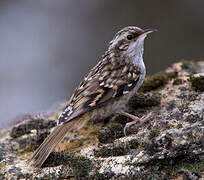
(135, 119)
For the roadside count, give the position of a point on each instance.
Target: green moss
(110, 133)
(55, 159)
(110, 151)
(80, 165)
(185, 64)
(172, 166)
(123, 149)
(73, 146)
(144, 101)
(157, 80)
(30, 124)
(121, 176)
(28, 149)
(190, 66)
(197, 83)
(132, 144)
(2, 164)
(195, 167)
(154, 133)
(177, 81)
(101, 176)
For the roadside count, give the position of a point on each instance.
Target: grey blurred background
(46, 47)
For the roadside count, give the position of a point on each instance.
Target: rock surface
(170, 145)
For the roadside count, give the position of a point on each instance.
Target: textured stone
(167, 146)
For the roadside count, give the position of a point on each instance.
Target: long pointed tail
(49, 144)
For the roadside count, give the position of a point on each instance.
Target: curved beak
(148, 30)
(144, 32)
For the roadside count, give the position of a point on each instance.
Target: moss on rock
(190, 67)
(117, 150)
(101, 176)
(144, 101)
(168, 146)
(110, 151)
(157, 80)
(79, 165)
(177, 81)
(31, 123)
(110, 133)
(173, 165)
(154, 133)
(197, 83)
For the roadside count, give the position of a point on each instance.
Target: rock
(168, 146)
(197, 82)
(31, 123)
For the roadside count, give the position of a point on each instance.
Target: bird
(104, 91)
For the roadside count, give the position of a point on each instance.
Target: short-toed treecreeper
(105, 90)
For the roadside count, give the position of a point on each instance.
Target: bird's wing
(109, 79)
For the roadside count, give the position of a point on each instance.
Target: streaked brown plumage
(105, 90)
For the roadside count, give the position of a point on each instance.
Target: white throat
(135, 53)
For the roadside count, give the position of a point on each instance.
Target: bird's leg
(134, 118)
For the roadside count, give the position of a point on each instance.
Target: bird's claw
(136, 119)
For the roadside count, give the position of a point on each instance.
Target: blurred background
(46, 47)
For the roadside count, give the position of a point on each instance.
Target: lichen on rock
(167, 146)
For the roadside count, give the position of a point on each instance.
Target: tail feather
(46, 141)
(44, 153)
(49, 144)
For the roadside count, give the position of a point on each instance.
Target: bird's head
(130, 41)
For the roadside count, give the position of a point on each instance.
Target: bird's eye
(129, 37)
